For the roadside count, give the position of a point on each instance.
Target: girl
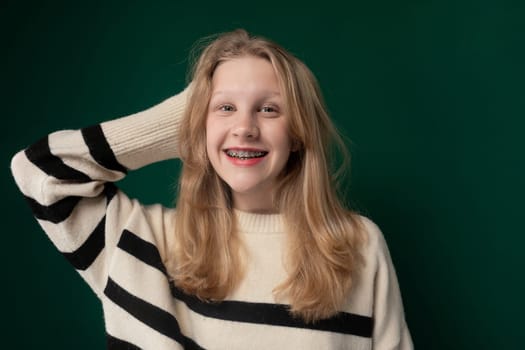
(259, 254)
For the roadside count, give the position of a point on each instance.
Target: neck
(257, 203)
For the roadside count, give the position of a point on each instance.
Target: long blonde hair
(324, 238)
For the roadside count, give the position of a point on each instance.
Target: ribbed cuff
(148, 136)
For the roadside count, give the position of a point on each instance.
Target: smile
(245, 154)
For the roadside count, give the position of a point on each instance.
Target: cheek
(213, 141)
(288, 142)
(283, 138)
(209, 135)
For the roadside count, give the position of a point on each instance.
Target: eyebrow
(268, 93)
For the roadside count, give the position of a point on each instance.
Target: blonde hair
(324, 238)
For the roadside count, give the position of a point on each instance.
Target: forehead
(246, 73)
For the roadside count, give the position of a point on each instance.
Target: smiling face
(247, 138)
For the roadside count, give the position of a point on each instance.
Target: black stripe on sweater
(60, 210)
(83, 257)
(99, 148)
(275, 315)
(142, 250)
(156, 318)
(259, 313)
(56, 212)
(40, 155)
(119, 344)
(86, 254)
(110, 190)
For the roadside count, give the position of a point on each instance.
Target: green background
(430, 93)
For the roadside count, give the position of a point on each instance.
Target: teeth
(245, 154)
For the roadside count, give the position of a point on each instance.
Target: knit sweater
(118, 246)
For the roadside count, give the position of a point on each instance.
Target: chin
(242, 189)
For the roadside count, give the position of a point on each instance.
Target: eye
(226, 108)
(269, 110)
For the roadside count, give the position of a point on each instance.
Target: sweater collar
(259, 223)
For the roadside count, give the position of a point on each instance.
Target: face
(247, 138)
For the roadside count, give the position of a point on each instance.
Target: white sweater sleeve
(68, 180)
(390, 328)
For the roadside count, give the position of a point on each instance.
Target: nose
(246, 126)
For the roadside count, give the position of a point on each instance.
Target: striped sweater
(118, 246)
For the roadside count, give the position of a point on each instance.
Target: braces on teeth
(245, 154)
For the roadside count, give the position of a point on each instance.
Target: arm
(390, 328)
(67, 178)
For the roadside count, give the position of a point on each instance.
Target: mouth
(245, 153)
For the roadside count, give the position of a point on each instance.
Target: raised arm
(68, 180)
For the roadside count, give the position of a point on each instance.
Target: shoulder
(375, 244)
(372, 231)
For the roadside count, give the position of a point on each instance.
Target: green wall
(430, 93)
